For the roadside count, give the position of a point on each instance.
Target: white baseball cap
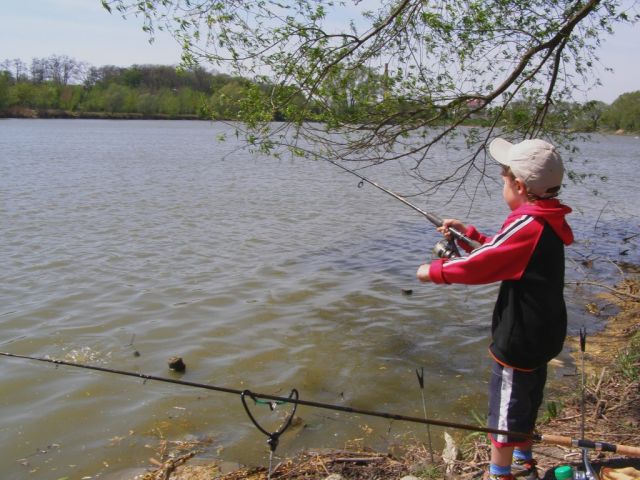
(535, 162)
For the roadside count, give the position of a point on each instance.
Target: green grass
(551, 411)
(431, 471)
(628, 361)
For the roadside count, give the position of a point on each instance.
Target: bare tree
(38, 70)
(63, 70)
(19, 69)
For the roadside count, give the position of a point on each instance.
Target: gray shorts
(514, 399)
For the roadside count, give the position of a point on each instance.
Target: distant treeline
(60, 86)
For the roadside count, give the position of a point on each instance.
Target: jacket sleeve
(502, 257)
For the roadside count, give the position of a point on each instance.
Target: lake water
(139, 236)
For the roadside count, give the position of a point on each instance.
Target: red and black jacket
(527, 254)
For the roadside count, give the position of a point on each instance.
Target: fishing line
(434, 219)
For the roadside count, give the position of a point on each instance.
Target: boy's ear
(521, 187)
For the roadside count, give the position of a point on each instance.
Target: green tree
(623, 113)
(147, 104)
(225, 104)
(189, 101)
(131, 77)
(70, 97)
(4, 90)
(168, 102)
(93, 100)
(46, 95)
(587, 116)
(23, 94)
(440, 63)
(116, 98)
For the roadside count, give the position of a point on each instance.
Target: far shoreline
(34, 114)
(29, 113)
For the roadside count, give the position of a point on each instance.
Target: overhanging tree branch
(392, 83)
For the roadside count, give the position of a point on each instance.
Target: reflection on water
(125, 243)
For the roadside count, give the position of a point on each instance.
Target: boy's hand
(423, 273)
(451, 222)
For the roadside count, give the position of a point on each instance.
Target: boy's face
(514, 192)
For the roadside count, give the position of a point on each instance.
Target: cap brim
(499, 150)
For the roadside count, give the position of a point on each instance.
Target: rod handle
(626, 450)
(461, 236)
(557, 440)
(458, 235)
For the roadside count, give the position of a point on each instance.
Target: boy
(530, 318)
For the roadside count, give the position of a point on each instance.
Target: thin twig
(599, 215)
(606, 287)
(617, 266)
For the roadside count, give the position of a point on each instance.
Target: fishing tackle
(443, 249)
(273, 438)
(420, 375)
(589, 473)
(630, 451)
(446, 249)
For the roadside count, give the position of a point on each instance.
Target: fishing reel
(446, 249)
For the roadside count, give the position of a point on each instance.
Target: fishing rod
(551, 439)
(441, 250)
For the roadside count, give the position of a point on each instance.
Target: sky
(85, 31)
